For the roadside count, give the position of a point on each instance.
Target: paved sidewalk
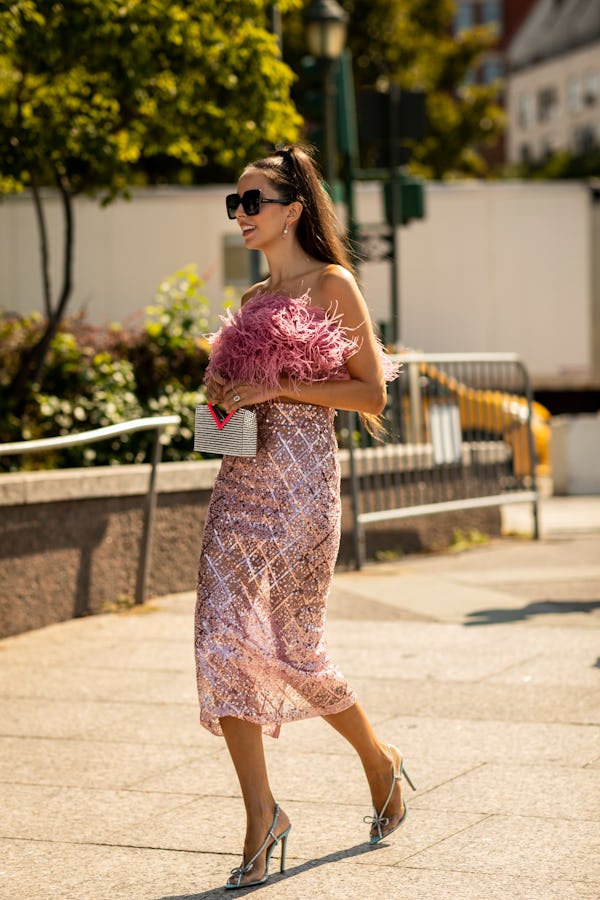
(483, 666)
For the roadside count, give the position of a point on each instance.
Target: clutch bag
(229, 434)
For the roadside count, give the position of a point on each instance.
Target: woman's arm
(364, 391)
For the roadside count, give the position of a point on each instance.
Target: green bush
(96, 376)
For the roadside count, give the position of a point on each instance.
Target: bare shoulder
(334, 278)
(248, 294)
(337, 288)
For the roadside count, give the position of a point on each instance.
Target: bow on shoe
(236, 875)
(377, 821)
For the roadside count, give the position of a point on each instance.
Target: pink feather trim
(273, 337)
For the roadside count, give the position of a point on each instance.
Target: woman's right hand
(215, 386)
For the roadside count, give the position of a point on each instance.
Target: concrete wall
(505, 267)
(69, 540)
(576, 454)
(493, 267)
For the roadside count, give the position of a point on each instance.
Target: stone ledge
(25, 488)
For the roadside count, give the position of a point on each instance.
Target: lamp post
(326, 26)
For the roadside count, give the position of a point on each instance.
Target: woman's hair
(294, 174)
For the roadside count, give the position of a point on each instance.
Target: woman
(300, 347)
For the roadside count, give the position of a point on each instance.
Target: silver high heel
(238, 873)
(379, 819)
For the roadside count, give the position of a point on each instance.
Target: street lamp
(326, 26)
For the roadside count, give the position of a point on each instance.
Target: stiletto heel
(379, 819)
(238, 873)
(283, 838)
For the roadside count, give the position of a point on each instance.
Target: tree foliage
(97, 376)
(410, 43)
(92, 89)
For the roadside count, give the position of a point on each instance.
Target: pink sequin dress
(272, 531)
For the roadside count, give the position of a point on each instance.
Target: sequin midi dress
(270, 544)
(269, 548)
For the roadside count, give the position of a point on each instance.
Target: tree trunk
(33, 361)
(44, 250)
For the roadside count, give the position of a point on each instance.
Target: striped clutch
(232, 434)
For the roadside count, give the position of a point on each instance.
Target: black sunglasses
(251, 201)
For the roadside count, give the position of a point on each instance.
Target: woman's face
(261, 230)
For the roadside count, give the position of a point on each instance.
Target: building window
(547, 104)
(492, 69)
(491, 14)
(525, 111)
(547, 147)
(574, 95)
(525, 154)
(464, 18)
(585, 139)
(591, 90)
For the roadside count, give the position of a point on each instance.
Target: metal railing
(152, 423)
(458, 435)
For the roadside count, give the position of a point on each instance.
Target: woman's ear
(295, 211)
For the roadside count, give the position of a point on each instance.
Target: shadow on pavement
(539, 608)
(357, 850)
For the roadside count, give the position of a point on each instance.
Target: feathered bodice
(273, 337)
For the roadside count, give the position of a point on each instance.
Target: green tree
(410, 43)
(92, 89)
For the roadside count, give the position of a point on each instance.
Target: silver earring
(285, 230)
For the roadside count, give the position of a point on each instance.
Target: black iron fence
(461, 432)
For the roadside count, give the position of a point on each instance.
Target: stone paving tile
(339, 880)
(520, 846)
(148, 724)
(555, 669)
(96, 684)
(521, 702)
(503, 654)
(472, 741)
(109, 653)
(407, 591)
(83, 763)
(59, 718)
(149, 621)
(317, 830)
(479, 662)
(316, 777)
(207, 824)
(418, 639)
(547, 791)
(77, 814)
(58, 871)
(37, 870)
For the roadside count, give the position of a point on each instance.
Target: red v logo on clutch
(220, 423)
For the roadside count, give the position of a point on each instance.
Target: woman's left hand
(236, 395)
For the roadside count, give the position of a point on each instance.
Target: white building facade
(553, 89)
(555, 105)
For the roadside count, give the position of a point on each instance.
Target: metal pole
(531, 448)
(148, 526)
(416, 403)
(395, 292)
(330, 129)
(357, 531)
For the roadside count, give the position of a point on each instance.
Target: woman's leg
(374, 754)
(245, 745)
